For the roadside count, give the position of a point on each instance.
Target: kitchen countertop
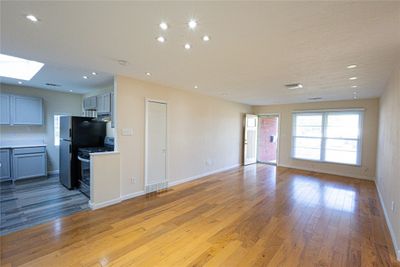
(21, 144)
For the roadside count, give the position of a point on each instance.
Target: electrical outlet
(133, 180)
(208, 162)
(393, 207)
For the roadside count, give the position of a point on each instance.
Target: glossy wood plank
(257, 215)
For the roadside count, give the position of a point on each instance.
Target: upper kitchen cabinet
(21, 110)
(90, 103)
(104, 104)
(5, 117)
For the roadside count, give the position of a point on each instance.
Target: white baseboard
(53, 172)
(132, 195)
(328, 172)
(392, 234)
(95, 206)
(185, 180)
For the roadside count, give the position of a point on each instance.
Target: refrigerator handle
(70, 148)
(70, 133)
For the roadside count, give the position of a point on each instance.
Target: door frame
(278, 114)
(146, 146)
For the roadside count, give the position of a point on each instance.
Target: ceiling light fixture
(122, 62)
(206, 38)
(195, 87)
(293, 86)
(32, 18)
(353, 78)
(85, 77)
(70, 90)
(94, 73)
(148, 73)
(352, 66)
(161, 39)
(163, 26)
(187, 46)
(18, 68)
(19, 82)
(354, 86)
(192, 24)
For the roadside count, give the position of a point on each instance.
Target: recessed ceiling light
(32, 18)
(148, 73)
(206, 38)
(192, 24)
(354, 86)
(161, 39)
(122, 62)
(70, 90)
(94, 73)
(18, 68)
(85, 77)
(355, 97)
(163, 26)
(187, 46)
(19, 82)
(352, 66)
(353, 78)
(195, 87)
(293, 86)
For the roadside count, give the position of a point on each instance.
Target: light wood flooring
(249, 216)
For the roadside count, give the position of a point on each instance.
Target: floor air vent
(156, 187)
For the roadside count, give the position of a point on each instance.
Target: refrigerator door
(65, 163)
(65, 127)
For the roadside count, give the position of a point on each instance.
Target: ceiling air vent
(315, 98)
(53, 84)
(293, 86)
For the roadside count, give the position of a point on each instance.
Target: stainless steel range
(84, 157)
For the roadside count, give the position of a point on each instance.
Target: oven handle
(84, 160)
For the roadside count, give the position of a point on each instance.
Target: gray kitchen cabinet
(26, 110)
(21, 110)
(90, 103)
(5, 164)
(104, 104)
(5, 117)
(29, 162)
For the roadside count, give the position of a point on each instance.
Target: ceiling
(255, 48)
(66, 79)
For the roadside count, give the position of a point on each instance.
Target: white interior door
(250, 139)
(156, 143)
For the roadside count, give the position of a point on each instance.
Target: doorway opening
(267, 146)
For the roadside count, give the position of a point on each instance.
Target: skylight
(18, 68)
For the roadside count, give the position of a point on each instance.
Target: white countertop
(21, 143)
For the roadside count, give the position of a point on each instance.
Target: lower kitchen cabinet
(5, 164)
(29, 162)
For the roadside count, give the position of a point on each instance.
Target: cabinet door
(26, 110)
(5, 167)
(5, 109)
(29, 165)
(100, 104)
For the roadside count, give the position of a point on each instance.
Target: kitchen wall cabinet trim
(5, 164)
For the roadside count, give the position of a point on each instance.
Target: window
(328, 136)
(57, 130)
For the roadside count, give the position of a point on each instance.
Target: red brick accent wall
(266, 148)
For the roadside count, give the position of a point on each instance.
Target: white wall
(54, 103)
(200, 128)
(388, 160)
(369, 139)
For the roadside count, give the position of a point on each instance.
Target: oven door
(84, 182)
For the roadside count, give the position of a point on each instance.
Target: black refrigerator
(77, 132)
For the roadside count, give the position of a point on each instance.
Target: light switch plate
(127, 131)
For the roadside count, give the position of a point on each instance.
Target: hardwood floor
(249, 216)
(34, 201)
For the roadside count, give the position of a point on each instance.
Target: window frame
(324, 137)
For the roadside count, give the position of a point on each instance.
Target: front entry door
(250, 139)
